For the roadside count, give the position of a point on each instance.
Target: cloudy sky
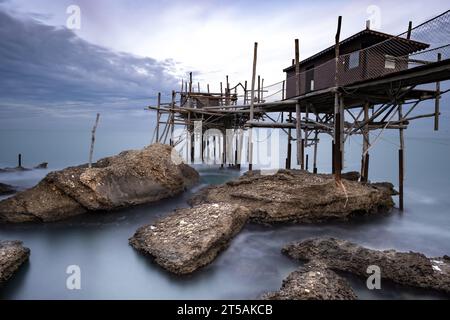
(126, 51)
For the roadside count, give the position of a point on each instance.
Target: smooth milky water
(253, 263)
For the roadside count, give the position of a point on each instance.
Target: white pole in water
(93, 139)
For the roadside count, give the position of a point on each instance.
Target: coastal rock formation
(42, 165)
(314, 281)
(299, 196)
(406, 268)
(12, 256)
(190, 238)
(130, 178)
(6, 189)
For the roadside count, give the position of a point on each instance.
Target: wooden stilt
(366, 145)
(252, 106)
(401, 161)
(298, 127)
(158, 116)
(316, 142)
(437, 100)
(289, 145)
(283, 89)
(19, 160)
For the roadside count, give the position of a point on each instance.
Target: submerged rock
(130, 178)
(406, 268)
(12, 256)
(190, 238)
(6, 189)
(314, 281)
(299, 196)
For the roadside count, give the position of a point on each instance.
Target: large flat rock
(406, 268)
(6, 189)
(190, 238)
(12, 255)
(314, 281)
(299, 196)
(130, 178)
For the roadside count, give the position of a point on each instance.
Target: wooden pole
(207, 87)
(289, 145)
(262, 89)
(366, 145)
(19, 161)
(298, 127)
(408, 35)
(282, 90)
(174, 95)
(158, 116)
(401, 161)
(337, 107)
(221, 94)
(94, 129)
(245, 92)
(316, 142)
(437, 100)
(252, 105)
(259, 89)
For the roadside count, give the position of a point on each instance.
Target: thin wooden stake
(437, 100)
(401, 161)
(94, 129)
(158, 116)
(298, 127)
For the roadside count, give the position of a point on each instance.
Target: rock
(190, 238)
(6, 189)
(130, 178)
(12, 256)
(352, 175)
(42, 165)
(406, 268)
(314, 281)
(298, 196)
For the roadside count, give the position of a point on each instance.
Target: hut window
(312, 85)
(353, 60)
(389, 62)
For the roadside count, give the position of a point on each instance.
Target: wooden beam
(298, 129)
(158, 116)
(401, 161)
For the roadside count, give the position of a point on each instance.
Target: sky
(124, 52)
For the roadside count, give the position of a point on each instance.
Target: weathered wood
(19, 161)
(252, 103)
(158, 116)
(289, 145)
(298, 129)
(401, 162)
(316, 136)
(94, 129)
(366, 145)
(437, 100)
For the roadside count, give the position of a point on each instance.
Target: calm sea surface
(252, 264)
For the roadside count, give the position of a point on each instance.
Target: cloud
(48, 65)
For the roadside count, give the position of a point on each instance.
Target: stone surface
(130, 178)
(190, 238)
(406, 268)
(6, 189)
(299, 196)
(314, 281)
(12, 256)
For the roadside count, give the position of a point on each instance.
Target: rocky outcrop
(191, 238)
(12, 256)
(130, 178)
(406, 268)
(6, 189)
(299, 196)
(314, 281)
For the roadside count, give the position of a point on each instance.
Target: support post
(337, 156)
(245, 92)
(282, 89)
(437, 100)
(298, 127)
(366, 145)
(19, 161)
(289, 145)
(91, 152)
(252, 105)
(158, 116)
(316, 142)
(401, 160)
(173, 117)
